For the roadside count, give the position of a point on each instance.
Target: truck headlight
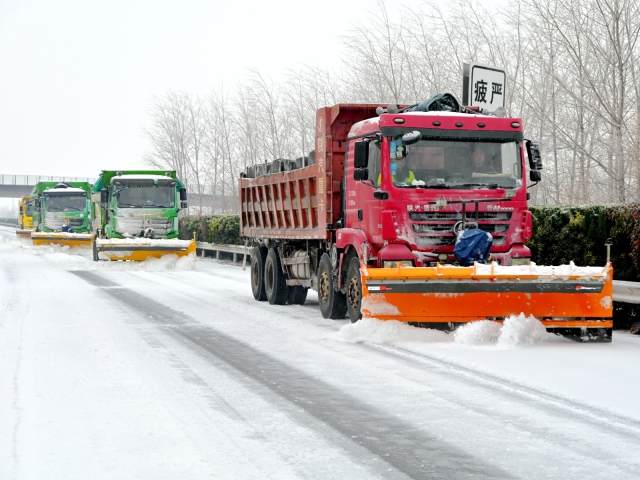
(395, 263)
(520, 261)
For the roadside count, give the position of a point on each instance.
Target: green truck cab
(61, 207)
(137, 204)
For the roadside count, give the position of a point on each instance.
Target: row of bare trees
(573, 76)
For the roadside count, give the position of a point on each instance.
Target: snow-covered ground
(170, 369)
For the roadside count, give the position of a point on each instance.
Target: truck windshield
(145, 196)
(456, 163)
(66, 203)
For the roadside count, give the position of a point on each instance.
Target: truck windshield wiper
(435, 185)
(490, 186)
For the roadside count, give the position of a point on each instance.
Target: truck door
(362, 210)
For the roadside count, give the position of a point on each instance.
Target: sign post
(484, 87)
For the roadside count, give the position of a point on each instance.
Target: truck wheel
(297, 295)
(258, 258)
(274, 280)
(333, 303)
(354, 290)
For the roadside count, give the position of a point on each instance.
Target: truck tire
(333, 303)
(275, 283)
(297, 295)
(354, 291)
(258, 258)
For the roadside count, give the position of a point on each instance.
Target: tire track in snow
(407, 449)
(624, 426)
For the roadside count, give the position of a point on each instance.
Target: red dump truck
(373, 220)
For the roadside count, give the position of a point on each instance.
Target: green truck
(135, 215)
(61, 213)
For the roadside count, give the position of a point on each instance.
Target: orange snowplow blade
(560, 297)
(62, 238)
(23, 233)
(140, 249)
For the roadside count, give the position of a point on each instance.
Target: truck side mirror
(361, 157)
(183, 194)
(533, 152)
(411, 137)
(360, 174)
(535, 160)
(104, 195)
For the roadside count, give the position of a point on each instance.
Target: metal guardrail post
(608, 244)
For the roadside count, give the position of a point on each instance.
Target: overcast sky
(77, 76)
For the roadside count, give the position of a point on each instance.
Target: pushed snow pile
(478, 333)
(388, 332)
(516, 330)
(521, 330)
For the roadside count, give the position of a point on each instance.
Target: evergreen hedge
(578, 234)
(222, 229)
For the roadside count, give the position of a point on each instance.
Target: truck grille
(55, 223)
(133, 225)
(435, 229)
(456, 217)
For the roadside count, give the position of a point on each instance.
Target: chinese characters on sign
(484, 87)
(480, 91)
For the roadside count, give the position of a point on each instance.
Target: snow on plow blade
(560, 297)
(140, 249)
(62, 238)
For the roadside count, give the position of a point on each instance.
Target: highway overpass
(16, 186)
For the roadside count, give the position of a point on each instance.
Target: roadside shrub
(222, 229)
(578, 234)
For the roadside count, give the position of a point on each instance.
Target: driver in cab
(400, 171)
(479, 163)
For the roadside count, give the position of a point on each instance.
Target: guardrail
(626, 292)
(8, 221)
(204, 248)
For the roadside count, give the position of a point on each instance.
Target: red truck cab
(414, 215)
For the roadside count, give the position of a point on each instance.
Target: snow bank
(388, 332)
(478, 333)
(521, 330)
(516, 330)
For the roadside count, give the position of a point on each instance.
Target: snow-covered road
(172, 370)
